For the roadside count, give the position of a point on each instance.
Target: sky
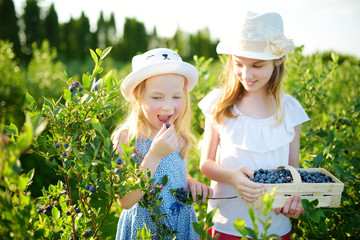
(319, 25)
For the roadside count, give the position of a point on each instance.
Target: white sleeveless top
(256, 143)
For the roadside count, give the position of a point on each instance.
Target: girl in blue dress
(159, 120)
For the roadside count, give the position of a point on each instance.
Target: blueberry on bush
(118, 161)
(57, 145)
(68, 213)
(71, 88)
(47, 212)
(87, 186)
(64, 154)
(87, 233)
(81, 89)
(96, 87)
(77, 210)
(66, 145)
(93, 189)
(76, 84)
(117, 171)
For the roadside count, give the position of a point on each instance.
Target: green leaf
(331, 137)
(49, 103)
(108, 81)
(12, 129)
(314, 216)
(105, 52)
(67, 95)
(334, 57)
(86, 81)
(252, 214)
(305, 203)
(251, 233)
(97, 126)
(338, 169)
(315, 202)
(30, 175)
(29, 98)
(76, 153)
(94, 57)
(318, 160)
(55, 212)
(240, 226)
(98, 51)
(164, 180)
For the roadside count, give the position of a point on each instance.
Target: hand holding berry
(165, 142)
(248, 190)
(196, 188)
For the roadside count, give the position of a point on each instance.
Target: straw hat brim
(136, 77)
(223, 48)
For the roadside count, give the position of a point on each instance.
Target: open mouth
(251, 83)
(164, 119)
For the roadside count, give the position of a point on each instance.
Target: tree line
(73, 39)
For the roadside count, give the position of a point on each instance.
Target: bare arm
(293, 207)
(164, 143)
(295, 148)
(236, 177)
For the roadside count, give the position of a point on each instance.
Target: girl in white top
(251, 124)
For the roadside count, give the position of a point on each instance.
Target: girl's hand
(247, 189)
(196, 188)
(165, 142)
(292, 209)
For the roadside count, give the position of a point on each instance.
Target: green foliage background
(325, 84)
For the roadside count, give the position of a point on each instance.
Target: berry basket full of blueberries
(308, 183)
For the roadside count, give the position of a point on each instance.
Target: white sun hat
(155, 62)
(259, 36)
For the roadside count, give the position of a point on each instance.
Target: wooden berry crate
(328, 194)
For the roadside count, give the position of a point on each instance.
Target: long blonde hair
(136, 122)
(234, 91)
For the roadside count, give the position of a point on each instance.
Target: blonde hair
(234, 91)
(137, 123)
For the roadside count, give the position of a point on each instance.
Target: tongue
(163, 118)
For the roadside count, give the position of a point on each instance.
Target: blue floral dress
(179, 216)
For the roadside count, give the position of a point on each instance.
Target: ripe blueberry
(117, 171)
(64, 154)
(68, 213)
(77, 210)
(71, 88)
(168, 125)
(87, 186)
(96, 87)
(81, 89)
(47, 212)
(57, 145)
(93, 189)
(118, 161)
(66, 145)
